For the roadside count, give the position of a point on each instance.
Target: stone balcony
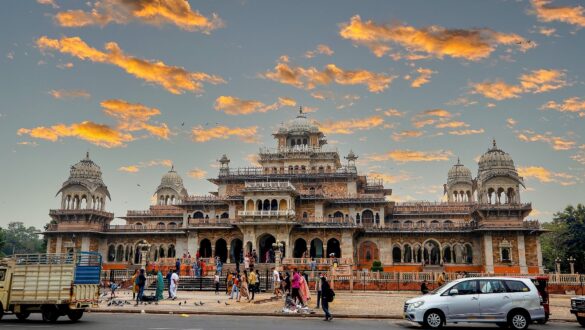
(268, 186)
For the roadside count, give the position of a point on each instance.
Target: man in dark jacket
(326, 295)
(140, 282)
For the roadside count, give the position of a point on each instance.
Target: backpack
(331, 295)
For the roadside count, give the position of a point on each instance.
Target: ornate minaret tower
(77, 224)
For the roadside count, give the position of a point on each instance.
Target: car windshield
(439, 289)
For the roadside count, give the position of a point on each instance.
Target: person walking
(244, 292)
(160, 286)
(196, 267)
(140, 282)
(318, 289)
(276, 282)
(134, 286)
(304, 291)
(229, 282)
(218, 265)
(326, 297)
(178, 266)
(235, 287)
(174, 284)
(247, 262)
(252, 287)
(286, 283)
(257, 281)
(168, 277)
(216, 282)
(296, 287)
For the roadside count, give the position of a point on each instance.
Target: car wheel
(518, 320)
(581, 321)
(433, 320)
(22, 316)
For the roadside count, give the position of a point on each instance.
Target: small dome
(86, 169)
(459, 174)
(496, 158)
(172, 180)
(87, 174)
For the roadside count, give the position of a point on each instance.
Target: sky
(409, 86)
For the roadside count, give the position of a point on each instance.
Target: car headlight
(415, 305)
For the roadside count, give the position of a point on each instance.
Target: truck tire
(581, 320)
(22, 316)
(50, 314)
(75, 314)
(1, 311)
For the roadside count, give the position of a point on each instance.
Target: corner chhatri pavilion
(316, 204)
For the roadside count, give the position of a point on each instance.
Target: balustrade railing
(268, 185)
(209, 222)
(279, 213)
(143, 228)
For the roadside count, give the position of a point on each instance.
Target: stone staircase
(205, 283)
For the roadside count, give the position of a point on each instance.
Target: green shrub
(377, 266)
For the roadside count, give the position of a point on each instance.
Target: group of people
(297, 288)
(239, 285)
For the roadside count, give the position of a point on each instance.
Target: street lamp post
(571, 261)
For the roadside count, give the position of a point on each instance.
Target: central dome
(299, 124)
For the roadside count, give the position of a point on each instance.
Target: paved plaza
(384, 305)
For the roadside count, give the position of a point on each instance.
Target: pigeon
(109, 303)
(179, 303)
(201, 302)
(218, 301)
(195, 304)
(138, 184)
(182, 124)
(185, 302)
(226, 303)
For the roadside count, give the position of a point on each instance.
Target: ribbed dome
(86, 169)
(496, 158)
(299, 124)
(85, 173)
(459, 174)
(172, 178)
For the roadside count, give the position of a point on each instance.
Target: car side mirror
(453, 292)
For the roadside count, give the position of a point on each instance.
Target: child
(113, 287)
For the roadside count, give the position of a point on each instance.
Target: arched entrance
(316, 248)
(368, 218)
(300, 248)
(367, 254)
(396, 255)
(432, 253)
(249, 247)
(334, 248)
(236, 249)
(265, 245)
(221, 250)
(205, 248)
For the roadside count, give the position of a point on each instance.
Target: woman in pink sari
(304, 290)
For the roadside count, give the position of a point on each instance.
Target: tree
(2, 241)
(21, 239)
(566, 238)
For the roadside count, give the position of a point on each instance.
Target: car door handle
(474, 298)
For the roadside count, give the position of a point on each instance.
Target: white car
(505, 301)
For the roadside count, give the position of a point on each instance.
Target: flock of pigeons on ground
(121, 302)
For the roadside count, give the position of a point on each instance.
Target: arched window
(396, 255)
(225, 215)
(198, 215)
(160, 225)
(161, 252)
(338, 214)
(357, 218)
(305, 141)
(111, 253)
(172, 251)
(172, 225)
(274, 205)
(377, 218)
(305, 215)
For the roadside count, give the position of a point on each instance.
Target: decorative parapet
(279, 213)
(268, 186)
(60, 212)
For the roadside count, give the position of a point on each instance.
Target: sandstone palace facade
(305, 196)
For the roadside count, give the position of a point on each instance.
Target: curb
(316, 315)
(238, 313)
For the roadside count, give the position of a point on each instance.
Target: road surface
(103, 321)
